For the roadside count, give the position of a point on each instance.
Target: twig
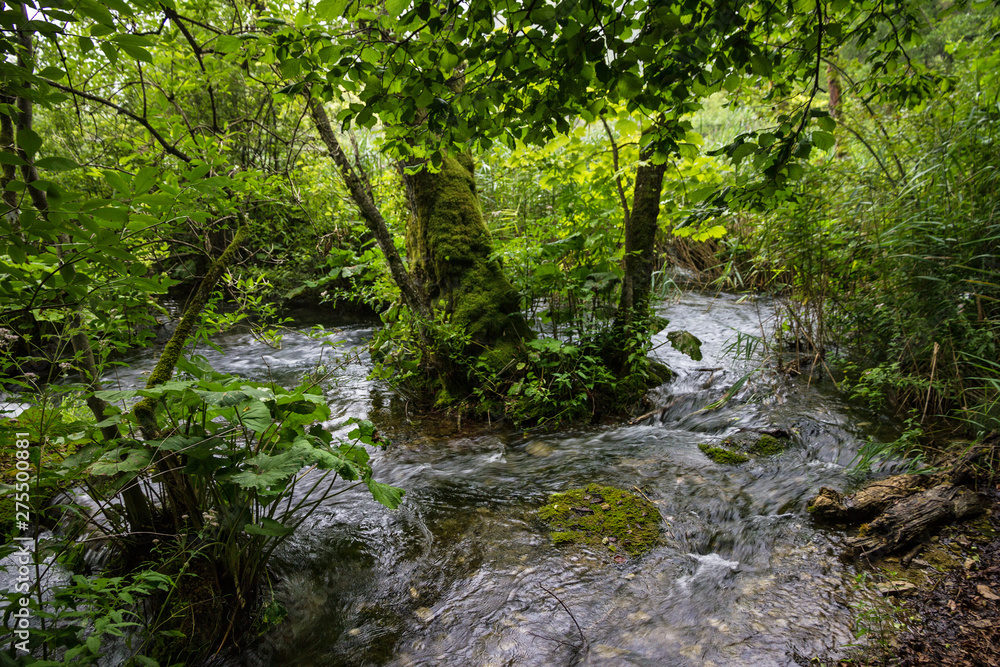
(642, 494)
(583, 639)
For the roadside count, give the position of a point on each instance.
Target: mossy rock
(603, 517)
(723, 456)
(755, 444)
(743, 446)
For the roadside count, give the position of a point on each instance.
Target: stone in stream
(603, 517)
(745, 445)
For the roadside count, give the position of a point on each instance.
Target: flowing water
(463, 574)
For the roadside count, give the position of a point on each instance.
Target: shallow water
(462, 573)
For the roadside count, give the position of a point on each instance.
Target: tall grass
(886, 256)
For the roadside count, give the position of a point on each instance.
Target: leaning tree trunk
(414, 298)
(450, 251)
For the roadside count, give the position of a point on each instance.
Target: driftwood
(867, 503)
(902, 509)
(913, 518)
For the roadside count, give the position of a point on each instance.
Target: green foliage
(884, 253)
(255, 461)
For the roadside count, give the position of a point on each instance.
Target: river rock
(605, 518)
(745, 445)
(897, 588)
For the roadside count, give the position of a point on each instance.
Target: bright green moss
(723, 456)
(603, 517)
(451, 249)
(767, 445)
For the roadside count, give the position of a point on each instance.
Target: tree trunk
(412, 295)
(640, 239)
(907, 521)
(138, 509)
(176, 484)
(450, 252)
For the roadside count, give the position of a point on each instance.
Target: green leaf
(29, 141)
(269, 471)
(115, 395)
(111, 463)
(222, 398)
(396, 7)
(686, 342)
(116, 181)
(56, 163)
(255, 416)
(823, 140)
(387, 495)
(268, 528)
(138, 52)
(96, 11)
(330, 9)
(11, 158)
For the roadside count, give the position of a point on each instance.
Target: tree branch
(167, 146)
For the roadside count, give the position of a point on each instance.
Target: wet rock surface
(622, 523)
(745, 445)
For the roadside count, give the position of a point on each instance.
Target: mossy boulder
(745, 445)
(723, 456)
(604, 518)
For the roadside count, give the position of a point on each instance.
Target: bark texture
(640, 238)
(361, 194)
(912, 519)
(450, 251)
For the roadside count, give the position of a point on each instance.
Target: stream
(463, 574)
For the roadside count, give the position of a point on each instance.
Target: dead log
(914, 518)
(828, 505)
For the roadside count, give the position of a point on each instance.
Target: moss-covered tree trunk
(450, 253)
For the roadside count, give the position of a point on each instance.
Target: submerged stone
(723, 456)
(743, 446)
(603, 517)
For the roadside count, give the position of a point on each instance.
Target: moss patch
(452, 253)
(723, 456)
(603, 517)
(766, 445)
(743, 446)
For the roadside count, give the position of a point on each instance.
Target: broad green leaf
(117, 181)
(29, 141)
(255, 416)
(387, 495)
(823, 140)
(115, 395)
(330, 9)
(222, 398)
(686, 342)
(112, 463)
(263, 472)
(268, 528)
(11, 158)
(138, 52)
(56, 163)
(396, 7)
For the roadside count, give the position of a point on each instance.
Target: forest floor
(959, 612)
